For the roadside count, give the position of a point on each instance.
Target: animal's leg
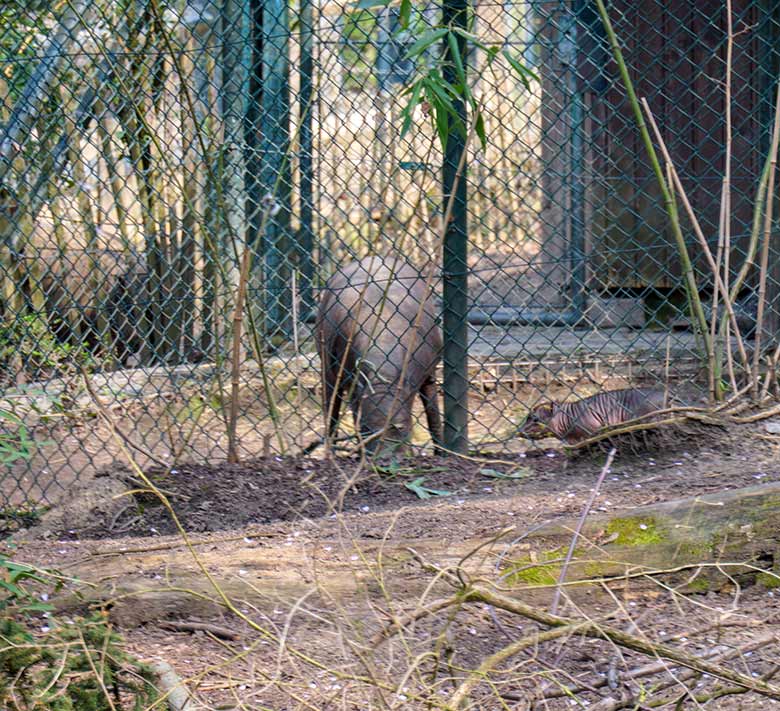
(430, 402)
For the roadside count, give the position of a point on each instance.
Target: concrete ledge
(613, 312)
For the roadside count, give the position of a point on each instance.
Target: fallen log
(735, 532)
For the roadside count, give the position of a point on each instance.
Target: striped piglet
(575, 421)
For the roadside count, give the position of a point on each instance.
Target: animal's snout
(533, 429)
(536, 425)
(392, 442)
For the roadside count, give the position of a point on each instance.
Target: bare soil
(275, 489)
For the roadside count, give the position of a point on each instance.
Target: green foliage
(30, 338)
(14, 518)
(56, 670)
(515, 473)
(14, 580)
(358, 50)
(440, 98)
(20, 39)
(15, 440)
(75, 666)
(423, 492)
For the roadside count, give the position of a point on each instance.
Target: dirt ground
(310, 514)
(274, 489)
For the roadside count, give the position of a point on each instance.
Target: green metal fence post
(568, 51)
(455, 264)
(252, 125)
(233, 107)
(275, 171)
(305, 160)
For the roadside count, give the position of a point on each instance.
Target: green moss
(700, 585)
(536, 575)
(687, 551)
(639, 531)
(599, 569)
(538, 572)
(770, 580)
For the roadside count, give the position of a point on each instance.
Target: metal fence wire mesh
(144, 145)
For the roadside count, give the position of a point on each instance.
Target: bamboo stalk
(132, 115)
(755, 231)
(697, 230)
(297, 359)
(235, 370)
(714, 375)
(764, 265)
(726, 194)
(114, 179)
(136, 135)
(173, 315)
(13, 308)
(694, 301)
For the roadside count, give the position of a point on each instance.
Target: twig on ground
(179, 544)
(489, 663)
(216, 630)
(763, 415)
(400, 623)
(570, 553)
(719, 654)
(621, 639)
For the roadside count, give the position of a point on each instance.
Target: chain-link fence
(147, 146)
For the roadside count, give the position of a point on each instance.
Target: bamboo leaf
(15, 590)
(427, 39)
(457, 60)
(405, 13)
(442, 124)
(470, 37)
(424, 492)
(408, 110)
(479, 129)
(522, 71)
(368, 4)
(492, 53)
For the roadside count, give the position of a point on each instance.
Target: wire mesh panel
(173, 175)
